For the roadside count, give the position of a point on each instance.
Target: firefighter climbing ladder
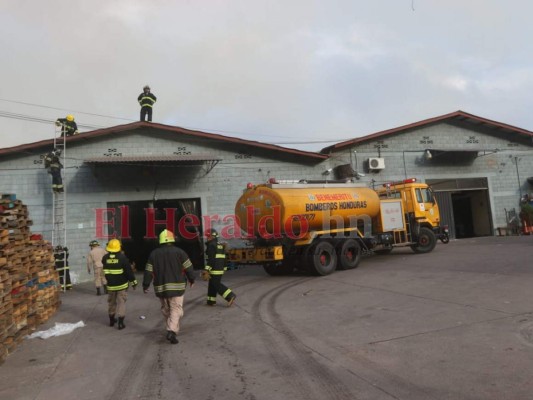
(59, 210)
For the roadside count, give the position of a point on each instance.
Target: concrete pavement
(453, 324)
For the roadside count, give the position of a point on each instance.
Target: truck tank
(272, 208)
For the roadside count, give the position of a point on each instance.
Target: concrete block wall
(89, 187)
(404, 157)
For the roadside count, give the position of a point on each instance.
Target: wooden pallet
(29, 291)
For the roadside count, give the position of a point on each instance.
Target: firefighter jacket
(61, 258)
(147, 99)
(170, 269)
(117, 272)
(51, 160)
(68, 128)
(216, 257)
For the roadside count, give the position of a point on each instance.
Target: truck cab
(421, 211)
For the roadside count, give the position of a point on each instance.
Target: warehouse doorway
(464, 206)
(130, 221)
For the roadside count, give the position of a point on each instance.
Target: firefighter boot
(98, 291)
(121, 323)
(171, 336)
(112, 320)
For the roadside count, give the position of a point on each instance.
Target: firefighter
(94, 260)
(62, 267)
(170, 268)
(147, 100)
(53, 164)
(118, 275)
(214, 269)
(68, 126)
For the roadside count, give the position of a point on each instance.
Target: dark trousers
(57, 181)
(64, 278)
(146, 111)
(217, 287)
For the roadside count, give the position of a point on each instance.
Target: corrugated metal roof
(152, 158)
(460, 116)
(160, 128)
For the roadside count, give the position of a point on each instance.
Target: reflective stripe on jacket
(52, 161)
(170, 269)
(117, 272)
(147, 99)
(216, 258)
(68, 128)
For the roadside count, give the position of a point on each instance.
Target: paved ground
(453, 324)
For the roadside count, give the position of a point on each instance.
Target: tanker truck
(321, 227)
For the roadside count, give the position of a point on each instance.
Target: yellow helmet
(70, 117)
(113, 246)
(166, 237)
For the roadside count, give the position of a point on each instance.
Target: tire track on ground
(314, 379)
(143, 377)
(142, 373)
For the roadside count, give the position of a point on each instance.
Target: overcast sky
(300, 73)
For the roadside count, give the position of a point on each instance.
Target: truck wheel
(287, 267)
(349, 254)
(426, 241)
(322, 258)
(272, 269)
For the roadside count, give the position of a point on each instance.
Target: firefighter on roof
(214, 269)
(52, 163)
(118, 275)
(147, 100)
(68, 126)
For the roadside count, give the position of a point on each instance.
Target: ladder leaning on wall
(59, 216)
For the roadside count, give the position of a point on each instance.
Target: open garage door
(464, 206)
(136, 237)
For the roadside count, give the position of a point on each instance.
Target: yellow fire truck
(328, 226)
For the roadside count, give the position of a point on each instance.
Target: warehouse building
(478, 168)
(130, 180)
(127, 180)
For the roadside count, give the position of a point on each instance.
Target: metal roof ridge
(421, 123)
(168, 128)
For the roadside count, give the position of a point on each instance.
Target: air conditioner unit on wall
(376, 163)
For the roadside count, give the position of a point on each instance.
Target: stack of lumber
(29, 291)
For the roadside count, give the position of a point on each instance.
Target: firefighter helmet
(146, 87)
(113, 246)
(70, 117)
(94, 243)
(212, 233)
(166, 237)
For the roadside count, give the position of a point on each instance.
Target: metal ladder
(59, 207)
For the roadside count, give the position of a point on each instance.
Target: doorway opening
(464, 206)
(136, 242)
